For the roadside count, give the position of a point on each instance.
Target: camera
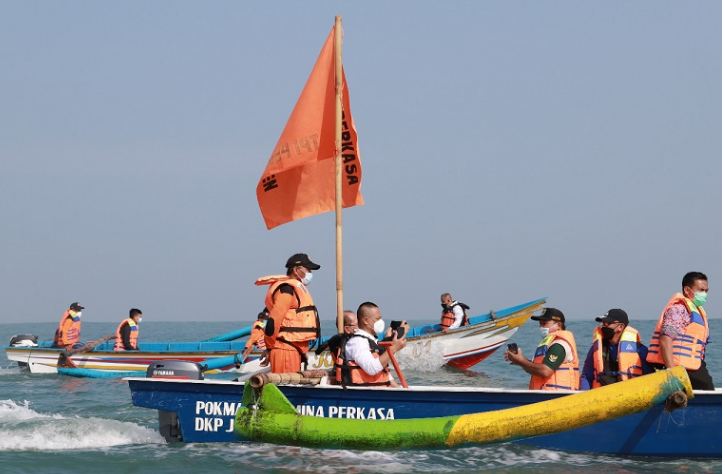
(513, 347)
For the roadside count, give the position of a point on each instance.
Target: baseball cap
(301, 259)
(76, 306)
(613, 315)
(550, 314)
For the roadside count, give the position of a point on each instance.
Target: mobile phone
(395, 324)
(513, 347)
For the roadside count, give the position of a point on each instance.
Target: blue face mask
(700, 298)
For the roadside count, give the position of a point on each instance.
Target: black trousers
(700, 378)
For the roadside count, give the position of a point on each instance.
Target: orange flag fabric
(299, 180)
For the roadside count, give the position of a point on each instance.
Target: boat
(203, 411)
(267, 416)
(461, 347)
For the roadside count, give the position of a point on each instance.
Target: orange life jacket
(69, 330)
(688, 348)
(566, 377)
(301, 323)
(347, 372)
(629, 363)
(257, 336)
(448, 318)
(133, 335)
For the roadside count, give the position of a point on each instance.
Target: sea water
(52, 423)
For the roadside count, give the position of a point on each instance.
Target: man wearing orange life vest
(363, 362)
(454, 313)
(68, 333)
(256, 337)
(616, 353)
(682, 332)
(293, 320)
(127, 331)
(556, 364)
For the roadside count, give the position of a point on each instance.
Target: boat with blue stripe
(462, 347)
(203, 411)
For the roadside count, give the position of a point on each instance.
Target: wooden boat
(204, 411)
(462, 347)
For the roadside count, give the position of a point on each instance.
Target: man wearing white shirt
(365, 363)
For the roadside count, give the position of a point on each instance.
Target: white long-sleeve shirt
(458, 314)
(357, 349)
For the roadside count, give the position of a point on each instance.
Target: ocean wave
(10, 371)
(24, 429)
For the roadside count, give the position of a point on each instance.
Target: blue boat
(203, 411)
(462, 347)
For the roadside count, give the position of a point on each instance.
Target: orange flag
(299, 180)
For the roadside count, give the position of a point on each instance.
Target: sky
(511, 150)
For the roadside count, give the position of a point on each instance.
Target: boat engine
(175, 369)
(24, 340)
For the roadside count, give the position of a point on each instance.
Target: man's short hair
(691, 277)
(446, 294)
(364, 309)
(134, 312)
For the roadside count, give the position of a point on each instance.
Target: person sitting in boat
(682, 332)
(293, 320)
(68, 334)
(256, 337)
(127, 331)
(454, 313)
(335, 343)
(616, 353)
(556, 364)
(362, 361)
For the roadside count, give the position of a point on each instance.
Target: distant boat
(462, 347)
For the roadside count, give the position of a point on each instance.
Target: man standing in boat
(293, 321)
(616, 353)
(68, 333)
(362, 361)
(556, 364)
(127, 331)
(454, 313)
(682, 332)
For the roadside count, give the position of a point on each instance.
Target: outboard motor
(174, 369)
(24, 340)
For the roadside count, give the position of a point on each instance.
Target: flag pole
(338, 167)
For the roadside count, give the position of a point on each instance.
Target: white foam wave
(24, 429)
(423, 356)
(10, 371)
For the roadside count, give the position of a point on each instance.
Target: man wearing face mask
(682, 332)
(68, 334)
(293, 321)
(556, 364)
(616, 353)
(454, 313)
(363, 362)
(127, 332)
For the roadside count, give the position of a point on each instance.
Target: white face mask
(78, 314)
(307, 278)
(379, 326)
(140, 319)
(544, 331)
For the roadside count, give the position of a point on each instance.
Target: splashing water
(422, 356)
(23, 429)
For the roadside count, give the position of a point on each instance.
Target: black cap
(75, 306)
(550, 314)
(615, 315)
(301, 260)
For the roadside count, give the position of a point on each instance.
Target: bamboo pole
(338, 167)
